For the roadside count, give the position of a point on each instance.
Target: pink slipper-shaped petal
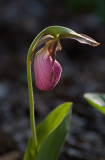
(47, 69)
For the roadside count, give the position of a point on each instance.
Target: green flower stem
(30, 88)
(32, 116)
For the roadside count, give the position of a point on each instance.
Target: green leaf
(97, 100)
(52, 131)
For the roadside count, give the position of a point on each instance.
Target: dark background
(83, 71)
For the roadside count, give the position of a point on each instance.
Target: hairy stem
(30, 89)
(32, 116)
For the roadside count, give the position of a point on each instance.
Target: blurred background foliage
(81, 6)
(83, 71)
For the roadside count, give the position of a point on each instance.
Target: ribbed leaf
(97, 100)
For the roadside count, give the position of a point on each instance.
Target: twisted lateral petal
(47, 73)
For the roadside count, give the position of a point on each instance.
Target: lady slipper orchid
(47, 74)
(47, 69)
